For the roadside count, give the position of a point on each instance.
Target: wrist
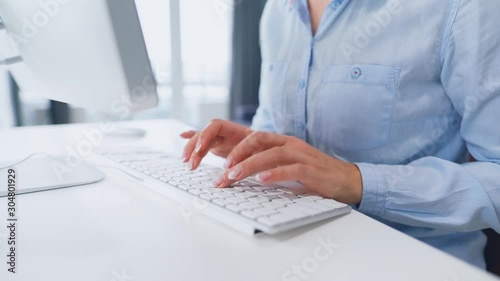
(355, 184)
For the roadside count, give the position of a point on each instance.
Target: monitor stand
(42, 173)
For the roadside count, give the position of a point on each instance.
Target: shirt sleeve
(262, 119)
(436, 193)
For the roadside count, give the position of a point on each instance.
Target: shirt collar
(304, 2)
(301, 7)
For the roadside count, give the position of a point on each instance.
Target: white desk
(118, 230)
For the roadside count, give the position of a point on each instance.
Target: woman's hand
(276, 158)
(218, 137)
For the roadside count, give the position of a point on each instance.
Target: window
(203, 39)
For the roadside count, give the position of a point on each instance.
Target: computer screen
(89, 53)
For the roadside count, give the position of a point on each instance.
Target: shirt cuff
(374, 190)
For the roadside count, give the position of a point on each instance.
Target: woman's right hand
(218, 137)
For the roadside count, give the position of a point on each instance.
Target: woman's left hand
(276, 158)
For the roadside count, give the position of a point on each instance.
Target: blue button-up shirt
(404, 89)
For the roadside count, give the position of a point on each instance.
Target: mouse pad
(42, 173)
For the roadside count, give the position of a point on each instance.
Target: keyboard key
(265, 211)
(236, 208)
(288, 196)
(273, 205)
(292, 212)
(184, 187)
(236, 200)
(244, 195)
(283, 201)
(332, 203)
(195, 191)
(250, 214)
(156, 176)
(274, 191)
(256, 192)
(304, 208)
(295, 191)
(301, 200)
(212, 190)
(166, 173)
(257, 199)
(190, 182)
(283, 218)
(269, 196)
(174, 183)
(243, 188)
(250, 205)
(198, 186)
(178, 169)
(148, 172)
(313, 204)
(208, 196)
(310, 197)
(163, 170)
(263, 188)
(240, 183)
(165, 179)
(270, 221)
(231, 190)
(223, 195)
(221, 202)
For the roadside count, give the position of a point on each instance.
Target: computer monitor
(89, 53)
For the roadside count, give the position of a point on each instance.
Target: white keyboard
(247, 205)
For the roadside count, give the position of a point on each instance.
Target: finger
(294, 172)
(214, 132)
(188, 134)
(248, 132)
(189, 148)
(216, 128)
(254, 143)
(211, 131)
(271, 158)
(196, 157)
(304, 174)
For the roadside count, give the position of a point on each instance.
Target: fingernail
(262, 177)
(218, 181)
(184, 155)
(229, 163)
(235, 172)
(191, 164)
(198, 147)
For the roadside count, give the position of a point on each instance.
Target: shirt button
(301, 127)
(355, 73)
(271, 68)
(302, 84)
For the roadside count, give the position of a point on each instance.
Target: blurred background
(205, 56)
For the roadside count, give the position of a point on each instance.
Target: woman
(378, 104)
